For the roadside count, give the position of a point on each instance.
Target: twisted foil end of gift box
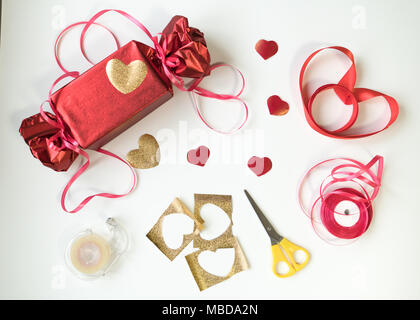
(51, 142)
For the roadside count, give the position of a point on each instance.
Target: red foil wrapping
(186, 48)
(36, 132)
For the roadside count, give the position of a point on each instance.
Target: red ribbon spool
(323, 211)
(328, 214)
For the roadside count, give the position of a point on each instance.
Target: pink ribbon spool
(324, 213)
(328, 213)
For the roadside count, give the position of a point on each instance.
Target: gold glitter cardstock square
(156, 236)
(224, 202)
(205, 279)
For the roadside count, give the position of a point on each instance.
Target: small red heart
(198, 156)
(277, 106)
(266, 49)
(260, 166)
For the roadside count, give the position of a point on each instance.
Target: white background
(384, 263)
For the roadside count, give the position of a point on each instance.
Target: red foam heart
(266, 49)
(260, 166)
(198, 156)
(277, 106)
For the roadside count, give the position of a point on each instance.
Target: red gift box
(112, 95)
(116, 93)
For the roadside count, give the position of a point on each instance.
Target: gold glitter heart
(147, 155)
(126, 78)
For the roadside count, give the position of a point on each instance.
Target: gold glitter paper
(205, 279)
(147, 155)
(224, 202)
(155, 234)
(126, 78)
(226, 240)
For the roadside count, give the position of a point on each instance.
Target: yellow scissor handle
(288, 258)
(278, 256)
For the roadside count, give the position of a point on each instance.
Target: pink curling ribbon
(169, 63)
(63, 139)
(352, 182)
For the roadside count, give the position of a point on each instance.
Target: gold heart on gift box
(147, 155)
(126, 78)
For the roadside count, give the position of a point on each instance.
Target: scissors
(283, 250)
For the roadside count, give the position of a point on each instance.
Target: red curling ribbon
(348, 94)
(352, 182)
(57, 41)
(63, 141)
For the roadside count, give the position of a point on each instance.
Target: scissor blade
(274, 236)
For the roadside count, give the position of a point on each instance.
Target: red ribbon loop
(348, 94)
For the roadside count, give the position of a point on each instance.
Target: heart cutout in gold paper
(147, 155)
(219, 262)
(216, 221)
(126, 78)
(174, 227)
